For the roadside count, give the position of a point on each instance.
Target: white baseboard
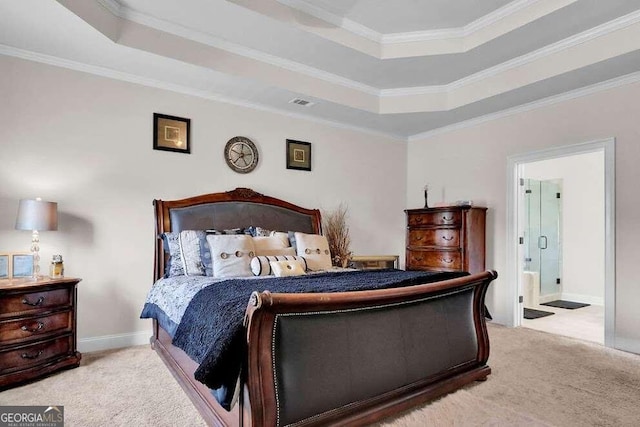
(107, 342)
(628, 345)
(548, 298)
(587, 299)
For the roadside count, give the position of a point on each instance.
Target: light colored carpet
(538, 379)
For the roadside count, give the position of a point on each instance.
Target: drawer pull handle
(448, 238)
(444, 218)
(419, 219)
(446, 260)
(417, 258)
(27, 329)
(31, 356)
(418, 238)
(33, 304)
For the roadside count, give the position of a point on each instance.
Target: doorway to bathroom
(562, 212)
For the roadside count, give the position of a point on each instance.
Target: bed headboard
(241, 207)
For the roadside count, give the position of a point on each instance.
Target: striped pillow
(260, 265)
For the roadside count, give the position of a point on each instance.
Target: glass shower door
(542, 233)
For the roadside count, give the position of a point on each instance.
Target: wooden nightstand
(37, 328)
(374, 262)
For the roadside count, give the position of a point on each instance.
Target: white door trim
(514, 173)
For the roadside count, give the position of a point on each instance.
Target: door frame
(515, 201)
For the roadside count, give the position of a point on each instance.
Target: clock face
(241, 154)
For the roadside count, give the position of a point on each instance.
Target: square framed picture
(171, 133)
(5, 272)
(298, 155)
(22, 265)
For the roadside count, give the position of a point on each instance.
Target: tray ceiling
(405, 68)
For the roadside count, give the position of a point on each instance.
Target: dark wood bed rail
(262, 314)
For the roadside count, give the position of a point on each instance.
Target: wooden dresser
(446, 239)
(37, 328)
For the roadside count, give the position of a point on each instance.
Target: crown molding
(185, 90)
(575, 40)
(545, 102)
(412, 36)
(111, 5)
(619, 23)
(459, 32)
(201, 37)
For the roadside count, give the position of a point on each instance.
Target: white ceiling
(404, 68)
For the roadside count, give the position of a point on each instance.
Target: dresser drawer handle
(417, 258)
(418, 238)
(27, 329)
(31, 356)
(448, 238)
(444, 218)
(33, 304)
(446, 260)
(418, 219)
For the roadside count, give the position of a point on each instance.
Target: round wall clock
(241, 154)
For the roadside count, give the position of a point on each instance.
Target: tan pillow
(231, 255)
(276, 241)
(287, 268)
(277, 252)
(315, 249)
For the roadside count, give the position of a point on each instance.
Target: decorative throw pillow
(261, 265)
(286, 268)
(277, 252)
(267, 243)
(258, 231)
(190, 251)
(172, 246)
(231, 254)
(315, 249)
(228, 231)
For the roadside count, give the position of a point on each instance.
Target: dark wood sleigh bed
(406, 345)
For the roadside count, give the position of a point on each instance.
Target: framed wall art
(5, 265)
(171, 133)
(298, 155)
(21, 265)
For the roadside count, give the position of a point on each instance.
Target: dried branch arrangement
(334, 226)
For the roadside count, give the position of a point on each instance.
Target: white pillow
(315, 249)
(276, 240)
(286, 268)
(231, 254)
(189, 241)
(261, 265)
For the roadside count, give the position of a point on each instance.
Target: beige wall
(472, 163)
(582, 222)
(86, 142)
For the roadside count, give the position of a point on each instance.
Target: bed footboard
(356, 357)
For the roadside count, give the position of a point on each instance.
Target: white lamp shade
(37, 215)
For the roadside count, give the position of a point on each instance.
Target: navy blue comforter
(211, 330)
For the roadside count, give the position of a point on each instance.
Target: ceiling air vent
(302, 102)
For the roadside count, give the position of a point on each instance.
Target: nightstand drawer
(444, 217)
(435, 237)
(23, 303)
(23, 329)
(34, 354)
(443, 260)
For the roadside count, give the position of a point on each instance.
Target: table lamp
(36, 215)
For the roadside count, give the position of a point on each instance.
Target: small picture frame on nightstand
(21, 265)
(5, 266)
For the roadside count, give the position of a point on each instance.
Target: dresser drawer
(452, 217)
(22, 329)
(34, 354)
(28, 302)
(448, 237)
(445, 260)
